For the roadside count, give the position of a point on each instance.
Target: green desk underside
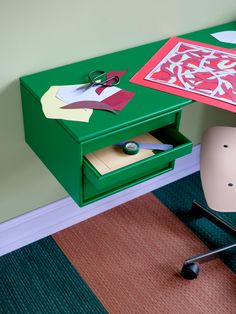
(140, 107)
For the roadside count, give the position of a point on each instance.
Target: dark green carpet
(39, 279)
(178, 197)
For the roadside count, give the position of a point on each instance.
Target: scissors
(100, 78)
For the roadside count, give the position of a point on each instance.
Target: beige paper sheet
(51, 106)
(112, 158)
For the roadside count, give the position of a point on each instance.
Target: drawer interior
(154, 165)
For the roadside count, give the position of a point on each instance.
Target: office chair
(218, 177)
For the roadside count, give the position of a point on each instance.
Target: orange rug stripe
(131, 255)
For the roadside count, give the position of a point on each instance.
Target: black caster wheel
(190, 271)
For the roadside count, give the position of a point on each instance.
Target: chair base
(190, 269)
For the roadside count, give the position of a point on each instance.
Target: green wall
(37, 35)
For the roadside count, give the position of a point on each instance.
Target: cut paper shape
(116, 73)
(109, 75)
(119, 100)
(226, 36)
(112, 157)
(114, 97)
(92, 104)
(194, 70)
(71, 94)
(51, 107)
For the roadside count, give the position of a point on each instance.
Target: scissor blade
(80, 90)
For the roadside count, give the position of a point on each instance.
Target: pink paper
(110, 75)
(119, 100)
(194, 70)
(90, 104)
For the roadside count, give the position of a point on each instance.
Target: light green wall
(198, 117)
(36, 35)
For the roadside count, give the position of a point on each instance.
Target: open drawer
(144, 167)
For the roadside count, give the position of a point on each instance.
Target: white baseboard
(64, 213)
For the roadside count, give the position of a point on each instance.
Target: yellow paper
(112, 158)
(51, 106)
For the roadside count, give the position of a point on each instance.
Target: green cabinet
(62, 145)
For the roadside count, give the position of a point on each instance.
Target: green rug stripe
(40, 279)
(178, 197)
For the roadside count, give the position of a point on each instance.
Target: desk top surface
(145, 104)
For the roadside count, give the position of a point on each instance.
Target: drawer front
(142, 168)
(117, 136)
(91, 193)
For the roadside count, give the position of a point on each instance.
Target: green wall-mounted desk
(62, 144)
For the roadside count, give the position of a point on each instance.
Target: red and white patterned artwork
(194, 70)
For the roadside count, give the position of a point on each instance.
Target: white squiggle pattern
(199, 70)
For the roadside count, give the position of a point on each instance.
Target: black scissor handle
(98, 77)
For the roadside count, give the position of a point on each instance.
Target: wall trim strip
(49, 219)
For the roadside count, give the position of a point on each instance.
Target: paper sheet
(194, 70)
(226, 37)
(111, 158)
(73, 94)
(51, 106)
(110, 74)
(92, 104)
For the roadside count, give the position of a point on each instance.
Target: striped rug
(178, 197)
(126, 260)
(131, 255)
(40, 279)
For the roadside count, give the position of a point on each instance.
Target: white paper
(226, 37)
(71, 94)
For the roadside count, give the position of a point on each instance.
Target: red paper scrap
(110, 75)
(90, 104)
(119, 100)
